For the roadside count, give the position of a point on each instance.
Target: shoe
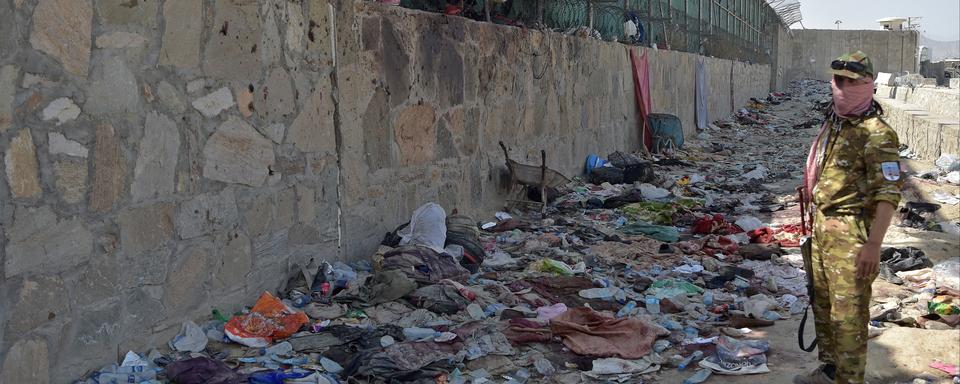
(887, 274)
(818, 376)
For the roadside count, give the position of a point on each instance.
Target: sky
(940, 18)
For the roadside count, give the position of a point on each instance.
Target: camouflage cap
(856, 57)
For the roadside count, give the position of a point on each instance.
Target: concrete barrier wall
(163, 160)
(809, 53)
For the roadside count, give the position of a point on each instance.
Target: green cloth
(658, 212)
(658, 232)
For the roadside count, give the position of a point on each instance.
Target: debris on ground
(652, 265)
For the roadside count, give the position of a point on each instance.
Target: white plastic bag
(948, 163)
(428, 227)
(947, 273)
(748, 223)
(190, 339)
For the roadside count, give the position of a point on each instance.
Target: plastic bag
(948, 163)
(558, 267)
(428, 227)
(947, 273)
(268, 320)
(190, 339)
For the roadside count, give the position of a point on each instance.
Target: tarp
(701, 95)
(641, 88)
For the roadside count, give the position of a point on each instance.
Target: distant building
(892, 23)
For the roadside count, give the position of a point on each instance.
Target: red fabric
(715, 224)
(761, 235)
(641, 91)
(719, 244)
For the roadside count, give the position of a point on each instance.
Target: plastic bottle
(698, 377)
(670, 324)
(628, 309)
(284, 348)
(599, 293)
(693, 357)
(708, 298)
(492, 309)
(661, 345)
(653, 305)
(416, 333)
(544, 367)
(691, 332)
(475, 311)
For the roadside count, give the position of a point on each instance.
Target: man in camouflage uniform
(858, 189)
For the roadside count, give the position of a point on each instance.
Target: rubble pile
(616, 282)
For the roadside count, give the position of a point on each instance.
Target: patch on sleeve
(891, 170)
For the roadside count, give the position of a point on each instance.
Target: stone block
(151, 269)
(143, 305)
(416, 134)
(113, 89)
(258, 215)
(378, 137)
(206, 214)
(270, 249)
(156, 166)
(142, 13)
(62, 109)
(109, 170)
(214, 103)
(120, 40)
(39, 301)
(21, 166)
(231, 49)
(58, 144)
(274, 132)
(99, 280)
(185, 289)
(38, 240)
(143, 229)
(396, 64)
(306, 204)
(295, 27)
(286, 209)
(91, 337)
(234, 261)
(313, 130)
(8, 88)
(271, 44)
(62, 29)
(181, 35)
(237, 153)
(276, 100)
(27, 361)
(170, 97)
(71, 179)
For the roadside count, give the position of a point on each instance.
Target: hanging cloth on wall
(641, 89)
(701, 95)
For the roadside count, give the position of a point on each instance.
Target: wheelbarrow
(532, 176)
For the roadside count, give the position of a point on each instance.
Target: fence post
(486, 9)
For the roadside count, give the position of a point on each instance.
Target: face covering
(852, 98)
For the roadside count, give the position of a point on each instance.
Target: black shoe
(887, 274)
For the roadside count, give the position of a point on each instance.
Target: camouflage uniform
(859, 168)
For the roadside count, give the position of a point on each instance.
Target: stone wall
(164, 158)
(809, 52)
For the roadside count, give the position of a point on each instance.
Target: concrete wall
(160, 159)
(810, 51)
(926, 119)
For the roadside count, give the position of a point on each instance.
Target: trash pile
(652, 265)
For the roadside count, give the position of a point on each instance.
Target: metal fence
(733, 29)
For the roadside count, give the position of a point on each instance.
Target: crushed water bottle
(416, 333)
(690, 359)
(544, 367)
(698, 377)
(627, 309)
(653, 305)
(661, 345)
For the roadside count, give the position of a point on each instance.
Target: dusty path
(898, 355)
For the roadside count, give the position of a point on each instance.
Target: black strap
(803, 323)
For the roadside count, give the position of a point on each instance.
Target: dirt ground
(899, 355)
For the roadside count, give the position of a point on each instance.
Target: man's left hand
(868, 260)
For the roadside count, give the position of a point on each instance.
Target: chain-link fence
(733, 29)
